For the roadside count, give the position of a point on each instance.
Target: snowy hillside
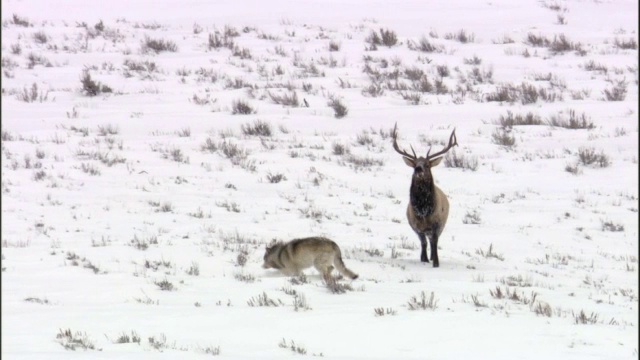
(151, 150)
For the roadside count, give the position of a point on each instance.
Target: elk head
(422, 165)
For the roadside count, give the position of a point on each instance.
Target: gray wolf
(298, 254)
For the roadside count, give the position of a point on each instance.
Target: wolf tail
(339, 264)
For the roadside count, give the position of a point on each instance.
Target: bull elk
(428, 206)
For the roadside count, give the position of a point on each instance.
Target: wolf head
(271, 256)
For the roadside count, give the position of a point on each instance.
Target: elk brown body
(428, 207)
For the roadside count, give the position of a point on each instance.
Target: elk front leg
(433, 241)
(423, 243)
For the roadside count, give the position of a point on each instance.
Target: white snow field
(152, 149)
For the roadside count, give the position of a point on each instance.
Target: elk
(428, 207)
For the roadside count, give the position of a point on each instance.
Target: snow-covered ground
(136, 206)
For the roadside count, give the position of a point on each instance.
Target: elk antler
(453, 141)
(394, 135)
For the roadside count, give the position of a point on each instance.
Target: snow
(87, 253)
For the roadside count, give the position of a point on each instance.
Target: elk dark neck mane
(423, 197)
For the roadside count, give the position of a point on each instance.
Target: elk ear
(435, 162)
(409, 162)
